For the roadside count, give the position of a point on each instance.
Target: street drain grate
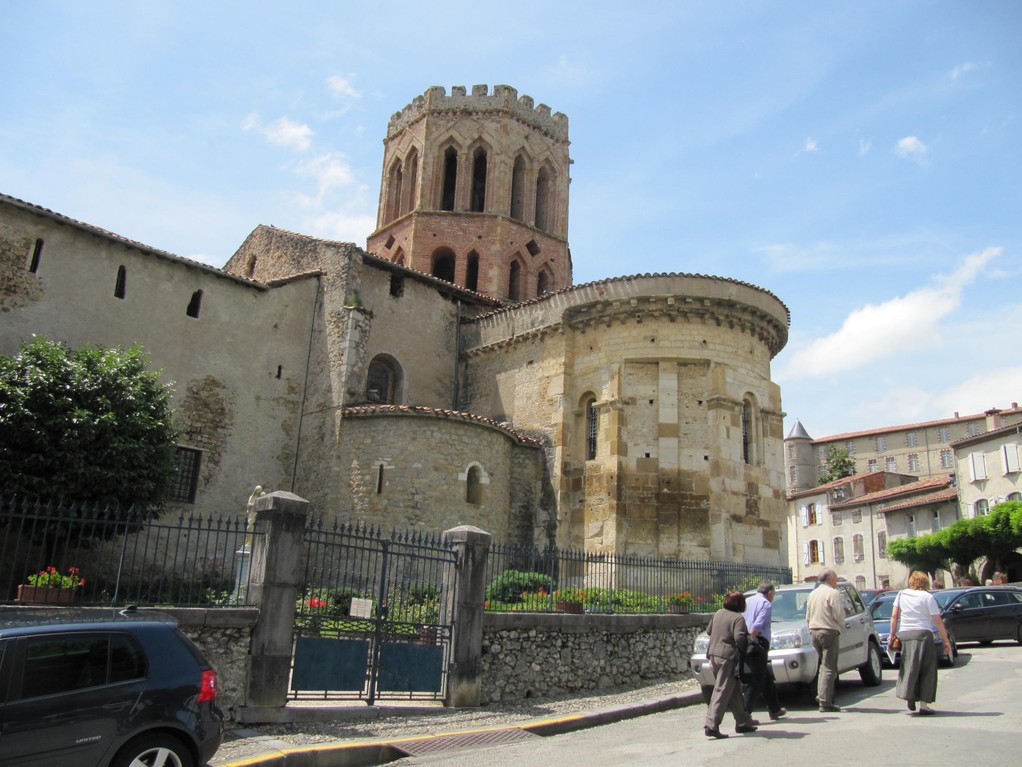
(419, 746)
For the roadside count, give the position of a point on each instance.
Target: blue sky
(859, 160)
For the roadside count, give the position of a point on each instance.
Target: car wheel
(871, 672)
(707, 690)
(154, 751)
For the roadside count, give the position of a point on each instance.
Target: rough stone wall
(410, 469)
(537, 656)
(237, 369)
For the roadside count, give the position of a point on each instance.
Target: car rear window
(61, 663)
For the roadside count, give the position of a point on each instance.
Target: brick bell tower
(475, 192)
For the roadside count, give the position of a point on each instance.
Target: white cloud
(342, 86)
(344, 226)
(810, 145)
(881, 331)
(967, 67)
(282, 132)
(330, 171)
(864, 146)
(912, 148)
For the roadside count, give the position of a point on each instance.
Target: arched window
(858, 552)
(839, 551)
(592, 428)
(393, 209)
(543, 182)
(479, 181)
(543, 283)
(442, 266)
(384, 381)
(450, 179)
(472, 271)
(121, 285)
(411, 173)
(514, 281)
(250, 266)
(518, 189)
(474, 484)
(195, 305)
(399, 257)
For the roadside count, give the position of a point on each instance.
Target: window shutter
(1009, 453)
(805, 550)
(823, 560)
(805, 517)
(978, 463)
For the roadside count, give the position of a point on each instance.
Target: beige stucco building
(451, 373)
(989, 470)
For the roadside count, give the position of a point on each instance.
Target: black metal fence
(522, 577)
(54, 553)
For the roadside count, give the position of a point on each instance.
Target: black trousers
(762, 679)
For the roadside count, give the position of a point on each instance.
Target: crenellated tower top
(503, 99)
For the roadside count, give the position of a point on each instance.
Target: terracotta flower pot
(43, 595)
(677, 609)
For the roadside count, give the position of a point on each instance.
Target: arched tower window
(751, 447)
(384, 382)
(121, 285)
(543, 184)
(479, 181)
(543, 283)
(592, 427)
(394, 191)
(514, 281)
(518, 189)
(250, 266)
(411, 173)
(442, 266)
(450, 179)
(472, 271)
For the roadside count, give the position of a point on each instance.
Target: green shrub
(509, 586)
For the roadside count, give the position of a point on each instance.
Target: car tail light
(207, 687)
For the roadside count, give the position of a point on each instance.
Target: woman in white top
(914, 610)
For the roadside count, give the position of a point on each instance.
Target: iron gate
(374, 617)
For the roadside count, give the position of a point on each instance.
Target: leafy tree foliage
(840, 464)
(88, 425)
(995, 536)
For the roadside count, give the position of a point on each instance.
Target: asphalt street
(979, 722)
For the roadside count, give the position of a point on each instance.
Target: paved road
(980, 722)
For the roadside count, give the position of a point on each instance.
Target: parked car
(793, 658)
(982, 613)
(868, 595)
(881, 609)
(87, 687)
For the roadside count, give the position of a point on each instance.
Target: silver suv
(792, 656)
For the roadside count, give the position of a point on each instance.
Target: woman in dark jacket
(729, 638)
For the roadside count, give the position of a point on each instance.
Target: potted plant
(569, 600)
(679, 603)
(50, 586)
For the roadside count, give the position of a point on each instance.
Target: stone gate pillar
(276, 564)
(465, 613)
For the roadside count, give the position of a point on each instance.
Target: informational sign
(361, 608)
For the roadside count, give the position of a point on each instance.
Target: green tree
(925, 552)
(839, 464)
(1001, 532)
(88, 425)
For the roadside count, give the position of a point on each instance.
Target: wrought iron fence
(52, 552)
(523, 577)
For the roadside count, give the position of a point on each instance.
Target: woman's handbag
(895, 643)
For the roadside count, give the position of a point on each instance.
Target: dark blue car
(103, 688)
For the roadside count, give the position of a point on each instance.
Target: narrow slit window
(195, 305)
(592, 424)
(379, 479)
(37, 254)
(122, 280)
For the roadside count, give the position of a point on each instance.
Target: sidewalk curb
(367, 753)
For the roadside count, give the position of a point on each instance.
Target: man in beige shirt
(825, 616)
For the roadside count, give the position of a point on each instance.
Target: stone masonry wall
(531, 655)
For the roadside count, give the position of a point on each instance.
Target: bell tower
(475, 192)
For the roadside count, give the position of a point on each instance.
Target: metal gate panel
(410, 668)
(329, 664)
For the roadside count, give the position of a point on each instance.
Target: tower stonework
(475, 191)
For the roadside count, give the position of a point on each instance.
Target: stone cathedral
(449, 373)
